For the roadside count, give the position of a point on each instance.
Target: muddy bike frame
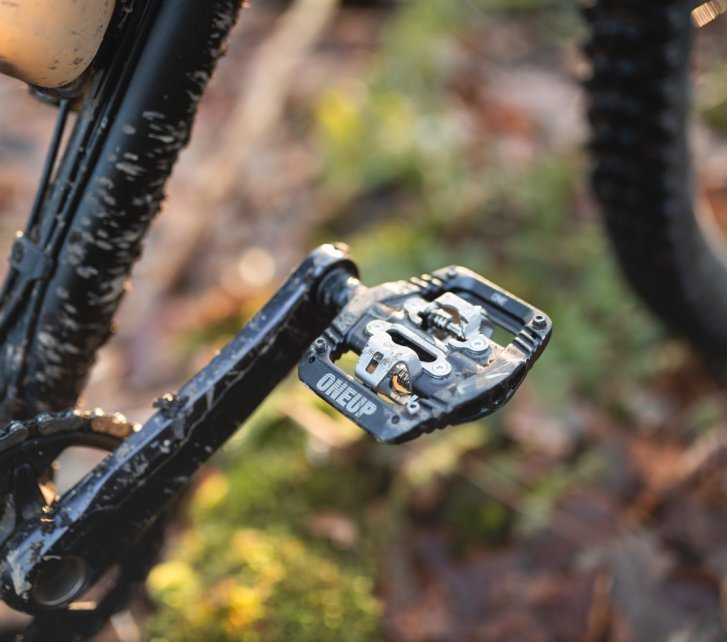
(70, 267)
(68, 273)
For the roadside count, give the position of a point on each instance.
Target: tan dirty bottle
(50, 43)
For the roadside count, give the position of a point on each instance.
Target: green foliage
(712, 98)
(475, 519)
(277, 588)
(248, 568)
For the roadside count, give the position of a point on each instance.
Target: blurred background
(591, 509)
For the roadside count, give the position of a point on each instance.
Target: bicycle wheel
(70, 270)
(642, 176)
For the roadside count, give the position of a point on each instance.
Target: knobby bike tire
(642, 177)
(135, 119)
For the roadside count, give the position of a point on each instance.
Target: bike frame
(69, 272)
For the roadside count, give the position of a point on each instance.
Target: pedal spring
(442, 320)
(401, 381)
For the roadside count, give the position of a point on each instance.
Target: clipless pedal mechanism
(426, 354)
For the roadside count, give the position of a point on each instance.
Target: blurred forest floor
(592, 509)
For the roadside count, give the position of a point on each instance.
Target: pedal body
(426, 357)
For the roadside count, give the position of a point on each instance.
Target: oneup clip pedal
(426, 356)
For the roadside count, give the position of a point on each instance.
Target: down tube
(115, 194)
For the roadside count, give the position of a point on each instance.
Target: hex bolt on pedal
(426, 354)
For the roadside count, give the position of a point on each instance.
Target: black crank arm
(50, 560)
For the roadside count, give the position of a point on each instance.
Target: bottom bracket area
(58, 581)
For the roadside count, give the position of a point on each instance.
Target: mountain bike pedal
(426, 357)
